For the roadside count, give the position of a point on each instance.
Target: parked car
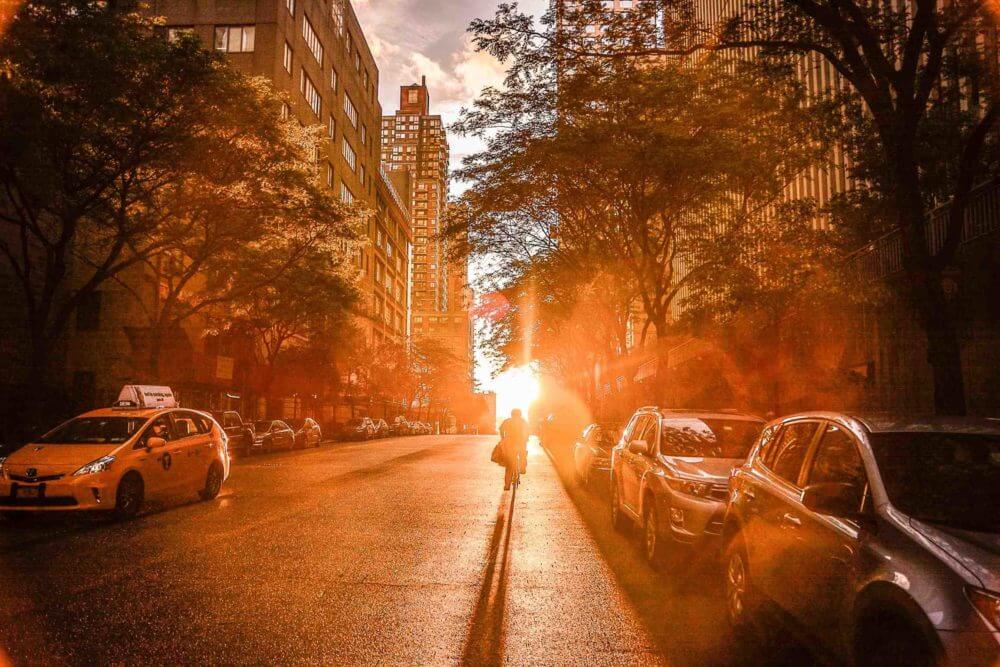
(382, 429)
(592, 452)
(239, 432)
(670, 474)
(273, 434)
(400, 426)
(307, 432)
(359, 428)
(879, 537)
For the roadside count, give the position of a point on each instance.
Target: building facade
(316, 53)
(415, 147)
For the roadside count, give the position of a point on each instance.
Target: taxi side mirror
(155, 443)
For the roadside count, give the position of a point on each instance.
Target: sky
(414, 38)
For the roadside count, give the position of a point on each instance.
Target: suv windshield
(93, 431)
(947, 478)
(709, 438)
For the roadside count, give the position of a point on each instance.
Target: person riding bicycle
(514, 441)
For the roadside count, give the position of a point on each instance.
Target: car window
(280, 425)
(201, 423)
(231, 420)
(790, 452)
(837, 461)
(184, 426)
(627, 433)
(158, 428)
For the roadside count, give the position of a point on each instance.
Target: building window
(333, 79)
(412, 96)
(346, 195)
(285, 111)
(349, 155)
(357, 61)
(234, 38)
(88, 313)
(337, 13)
(348, 41)
(361, 173)
(364, 134)
(287, 59)
(312, 41)
(310, 93)
(329, 174)
(331, 126)
(290, 5)
(174, 34)
(351, 111)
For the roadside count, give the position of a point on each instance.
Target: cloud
(415, 38)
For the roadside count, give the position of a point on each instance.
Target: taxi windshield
(93, 431)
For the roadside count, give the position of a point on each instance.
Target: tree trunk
(926, 295)
(661, 393)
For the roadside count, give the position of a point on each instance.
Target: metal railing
(884, 256)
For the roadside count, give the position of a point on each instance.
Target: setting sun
(515, 388)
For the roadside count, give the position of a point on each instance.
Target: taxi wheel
(129, 497)
(213, 482)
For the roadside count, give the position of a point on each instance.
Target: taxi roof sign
(145, 396)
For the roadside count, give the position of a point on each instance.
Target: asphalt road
(401, 551)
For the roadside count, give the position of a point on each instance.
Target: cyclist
(514, 441)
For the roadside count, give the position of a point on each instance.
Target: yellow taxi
(113, 459)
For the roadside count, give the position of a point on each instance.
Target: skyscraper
(414, 142)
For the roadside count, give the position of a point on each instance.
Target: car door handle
(791, 520)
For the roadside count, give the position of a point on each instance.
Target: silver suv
(670, 473)
(879, 537)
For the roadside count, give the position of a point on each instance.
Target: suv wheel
(652, 542)
(890, 639)
(618, 520)
(740, 597)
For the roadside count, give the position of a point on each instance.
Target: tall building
(316, 52)
(415, 144)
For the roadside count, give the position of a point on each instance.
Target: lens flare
(516, 388)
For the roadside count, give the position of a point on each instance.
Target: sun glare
(515, 388)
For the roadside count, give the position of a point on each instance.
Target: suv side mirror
(839, 500)
(638, 447)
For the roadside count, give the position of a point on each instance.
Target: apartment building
(415, 144)
(316, 52)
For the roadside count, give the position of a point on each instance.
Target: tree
(260, 211)
(308, 302)
(99, 116)
(619, 164)
(922, 82)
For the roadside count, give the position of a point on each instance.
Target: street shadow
(683, 610)
(485, 642)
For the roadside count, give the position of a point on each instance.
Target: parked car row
(366, 428)
(878, 538)
(267, 435)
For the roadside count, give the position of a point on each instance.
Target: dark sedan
(273, 435)
(592, 453)
(307, 432)
(878, 537)
(359, 428)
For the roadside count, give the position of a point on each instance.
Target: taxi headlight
(100, 465)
